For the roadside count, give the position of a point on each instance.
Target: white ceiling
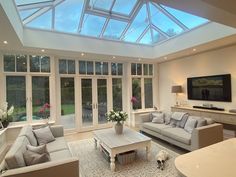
(223, 12)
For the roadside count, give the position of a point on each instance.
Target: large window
(117, 94)
(27, 89)
(66, 66)
(68, 102)
(142, 87)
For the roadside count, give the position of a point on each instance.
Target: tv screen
(210, 88)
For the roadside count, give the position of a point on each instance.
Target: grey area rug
(93, 164)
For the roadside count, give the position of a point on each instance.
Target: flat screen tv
(210, 88)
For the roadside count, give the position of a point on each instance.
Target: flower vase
(119, 128)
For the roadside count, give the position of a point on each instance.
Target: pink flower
(134, 100)
(46, 105)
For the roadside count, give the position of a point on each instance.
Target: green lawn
(67, 109)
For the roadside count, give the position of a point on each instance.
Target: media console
(209, 108)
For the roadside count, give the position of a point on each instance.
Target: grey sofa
(62, 163)
(200, 136)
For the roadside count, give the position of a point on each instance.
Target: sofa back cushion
(190, 124)
(14, 158)
(158, 118)
(28, 132)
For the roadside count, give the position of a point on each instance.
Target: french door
(94, 102)
(27, 94)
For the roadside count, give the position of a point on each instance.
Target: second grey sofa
(200, 136)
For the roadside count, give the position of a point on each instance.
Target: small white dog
(161, 158)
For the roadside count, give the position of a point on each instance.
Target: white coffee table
(115, 144)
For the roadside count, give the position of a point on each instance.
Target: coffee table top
(213, 161)
(112, 140)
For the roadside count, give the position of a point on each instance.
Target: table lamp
(176, 89)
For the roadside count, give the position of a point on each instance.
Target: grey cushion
(167, 118)
(190, 124)
(155, 127)
(14, 158)
(173, 122)
(28, 132)
(178, 134)
(209, 121)
(181, 123)
(158, 118)
(57, 145)
(32, 158)
(44, 135)
(58, 155)
(200, 121)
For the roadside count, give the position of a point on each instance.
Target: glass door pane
(16, 96)
(68, 103)
(102, 100)
(40, 96)
(87, 98)
(136, 93)
(117, 94)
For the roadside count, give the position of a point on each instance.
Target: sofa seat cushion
(28, 132)
(58, 155)
(155, 127)
(14, 157)
(178, 134)
(57, 145)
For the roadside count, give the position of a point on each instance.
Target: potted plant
(119, 117)
(134, 102)
(45, 112)
(6, 114)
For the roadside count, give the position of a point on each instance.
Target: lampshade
(176, 89)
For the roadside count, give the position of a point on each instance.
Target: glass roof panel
(114, 29)
(157, 37)
(25, 2)
(26, 13)
(43, 22)
(138, 26)
(147, 38)
(100, 4)
(123, 6)
(189, 20)
(163, 22)
(92, 25)
(67, 15)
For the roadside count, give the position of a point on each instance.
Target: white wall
(176, 72)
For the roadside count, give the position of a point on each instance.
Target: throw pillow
(38, 149)
(200, 121)
(44, 135)
(32, 158)
(158, 118)
(173, 122)
(167, 118)
(190, 124)
(181, 123)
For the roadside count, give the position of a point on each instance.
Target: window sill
(20, 125)
(140, 111)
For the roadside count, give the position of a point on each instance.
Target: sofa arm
(206, 135)
(57, 130)
(144, 118)
(66, 167)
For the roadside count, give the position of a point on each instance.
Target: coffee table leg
(148, 152)
(112, 164)
(95, 143)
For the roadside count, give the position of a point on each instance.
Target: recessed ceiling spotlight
(194, 50)
(5, 42)
(113, 57)
(165, 58)
(42, 50)
(82, 54)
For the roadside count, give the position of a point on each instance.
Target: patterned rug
(93, 164)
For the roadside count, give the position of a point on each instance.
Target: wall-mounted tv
(210, 88)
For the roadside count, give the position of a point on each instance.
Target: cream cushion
(57, 145)
(32, 158)
(28, 132)
(158, 118)
(14, 158)
(155, 127)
